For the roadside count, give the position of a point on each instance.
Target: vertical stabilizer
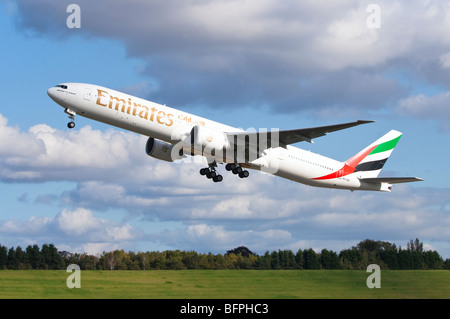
(369, 162)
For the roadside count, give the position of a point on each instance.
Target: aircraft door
(87, 94)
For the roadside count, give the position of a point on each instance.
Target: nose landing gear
(71, 114)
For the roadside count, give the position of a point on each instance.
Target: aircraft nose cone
(51, 92)
(56, 95)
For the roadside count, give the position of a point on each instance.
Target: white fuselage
(172, 125)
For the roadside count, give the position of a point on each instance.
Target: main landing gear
(210, 173)
(237, 170)
(71, 114)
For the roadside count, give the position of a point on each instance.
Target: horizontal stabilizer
(391, 180)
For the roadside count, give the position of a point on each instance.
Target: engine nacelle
(208, 140)
(162, 150)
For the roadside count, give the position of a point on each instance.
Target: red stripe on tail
(349, 166)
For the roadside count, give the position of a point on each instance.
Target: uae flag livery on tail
(371, 165)
(368, 163)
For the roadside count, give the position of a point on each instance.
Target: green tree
(51, 259)
(432, 260)
(311, 260)
(108, 260)
(446, 264)
(159, 260)
(122, 259)
(230, 260)
(174, 260)
(405, 259)
(45, 255)
(133, 261)
(265, 262)
(274, 260)
(22, 260)
(374, 245)
(190, 259)
(11, 262)
(220, 262)
(390, 258)
(204, 261)
(287, 259)
(351, 259)
(244, 251)
(34, 256)
(3, 257)
(329, 259)
(299, 259)
(415, 245)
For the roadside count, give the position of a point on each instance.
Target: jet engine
(208, 140)
(162, 150)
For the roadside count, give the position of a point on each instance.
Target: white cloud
(15, 144)
(208, 216)
(33, 226)
(234, 53)
(44, 154)
(78, 222)
(428, 107)
(445, 60)
(71, 229)
(206, 237)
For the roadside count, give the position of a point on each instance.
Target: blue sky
(258, 64)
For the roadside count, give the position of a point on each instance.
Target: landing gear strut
(210, 172)
(71, 114)
(237, 170)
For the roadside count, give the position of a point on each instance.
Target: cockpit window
(61, 86)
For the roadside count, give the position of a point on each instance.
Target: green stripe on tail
(386, 146)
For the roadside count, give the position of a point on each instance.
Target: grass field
(226, 284)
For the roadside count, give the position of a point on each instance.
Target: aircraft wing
(287, 137)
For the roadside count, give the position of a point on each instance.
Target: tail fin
(369, 162)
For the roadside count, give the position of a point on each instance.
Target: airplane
(174, 135)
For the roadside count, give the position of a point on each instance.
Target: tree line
(366, 252)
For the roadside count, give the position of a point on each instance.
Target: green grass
(226, 284)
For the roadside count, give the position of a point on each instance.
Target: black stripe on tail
(370, 166)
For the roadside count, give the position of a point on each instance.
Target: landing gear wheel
(230, 167)
(210, 172)
(244, 174)
(71, 114)
(237, 170)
